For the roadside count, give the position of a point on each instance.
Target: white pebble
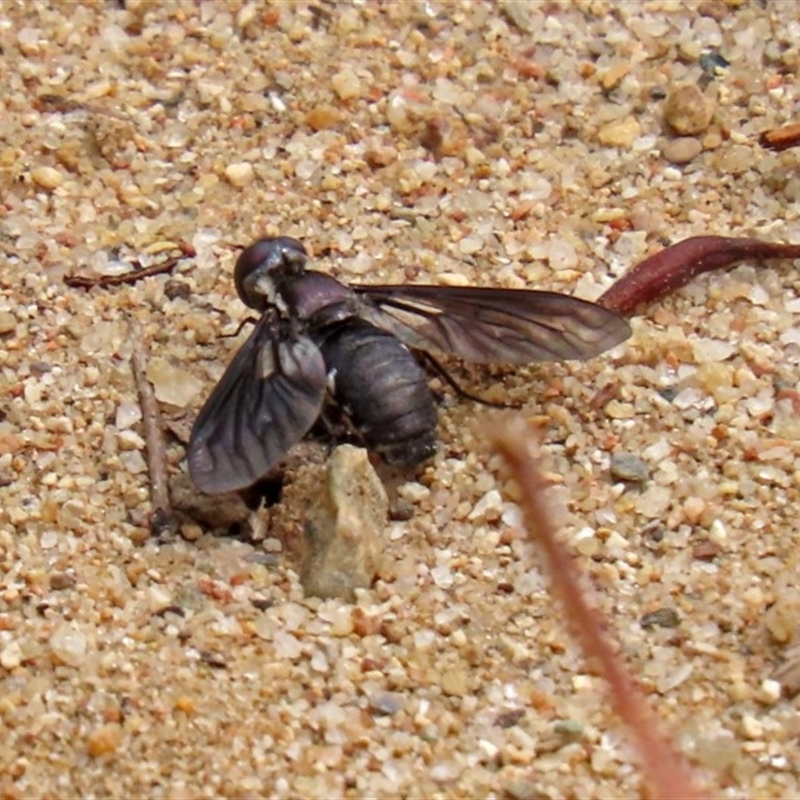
(11, 657)
(414, 492)
(69, 644)
(674, 678)
(490, 502)
(240, 174)
(771, 690)
(133, 461)
(287, 645)
(346, 84)
(294, 615)
(561, 254)
(471, 244)
(342, 621)
(752, 727)
(442, 773)
(442, 577)
(711, 350)
(718, 533)
(657, 451)
(687, 398)
(130, 440)
(319, 661)
(172, 384)
(128, 414)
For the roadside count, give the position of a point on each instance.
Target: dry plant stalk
(666, 773)
(779, 139)
(163, 519)
(136, 274)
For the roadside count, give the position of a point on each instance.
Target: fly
(318, 338)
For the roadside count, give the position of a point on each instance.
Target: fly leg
(428, 359)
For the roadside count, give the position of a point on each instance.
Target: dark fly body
(318, 338)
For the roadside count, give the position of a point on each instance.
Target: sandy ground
(508, 144)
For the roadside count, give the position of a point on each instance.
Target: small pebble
(525, 789)
(105, 739)
(620, 133)
(380, 156)
(706, 551)
(770, 691)
(346, 519)
(752, 728)
(682, 150)
(628, 467)
(387, 703)
(61, 580)
(346, 84)
(401, 510)
(713, 64)
(342, 622)
(7, 322)
(11, 656)
(455, 683)
(734, 159)
(661, 618)
(47, 177)
(240, 175)
(518, 13)
(687, 110)
(172, 384)
(322, 117)
(507, 719)
(568, 729)
(128, 414)
(69, 644)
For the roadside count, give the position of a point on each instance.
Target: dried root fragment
(673, 267)
(163, 519)
(779, 139)
(136, 274)
(665, 772)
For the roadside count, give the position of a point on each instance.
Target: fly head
(266, 264)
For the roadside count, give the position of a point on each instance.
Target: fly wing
(493, 325)
(266, 401)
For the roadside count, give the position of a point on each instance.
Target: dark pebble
(661, 618)
(628, 467)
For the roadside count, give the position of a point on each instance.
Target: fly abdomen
(383, 390)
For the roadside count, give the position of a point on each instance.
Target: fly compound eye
(262, 264)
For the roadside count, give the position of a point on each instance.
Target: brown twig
(666, 772)
(163, 519)
(60, 104)
(137, 273)
(675, 266)
(779, 139)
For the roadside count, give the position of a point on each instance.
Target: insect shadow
(319, 340)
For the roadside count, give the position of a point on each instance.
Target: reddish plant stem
(667, 774)
(675, 266)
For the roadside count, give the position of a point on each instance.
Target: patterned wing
(266, 401)
(493, 325)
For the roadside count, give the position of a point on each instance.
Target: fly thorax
(316, 298)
